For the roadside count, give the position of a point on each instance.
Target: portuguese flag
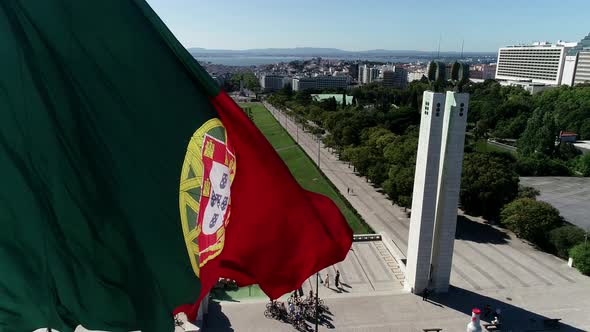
(129, 182)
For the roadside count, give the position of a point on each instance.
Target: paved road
(570, 195)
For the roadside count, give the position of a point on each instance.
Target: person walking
(337, 279)
(327, 281)
(348, 190)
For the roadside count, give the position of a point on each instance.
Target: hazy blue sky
(373, 24)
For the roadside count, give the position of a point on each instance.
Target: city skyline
(377, 24)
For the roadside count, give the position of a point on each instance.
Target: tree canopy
(378, 135)
(487, 183)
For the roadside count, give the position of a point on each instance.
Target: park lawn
(301, 167)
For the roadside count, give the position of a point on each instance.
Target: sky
(373, 24)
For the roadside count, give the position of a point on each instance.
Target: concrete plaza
(490, 266)
(570, 195)
(369, 268)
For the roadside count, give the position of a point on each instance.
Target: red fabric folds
(278, 234)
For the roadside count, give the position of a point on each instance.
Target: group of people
(488, 312)
(301, 308)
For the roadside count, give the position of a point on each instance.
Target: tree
(528, 192)
(541, 165)
(539, 135)
(303, 97)
(581, 257)
(330, 104)
(487, 183)
(567, 151)
(400, 184)
(287, 90)
(400, 154)
(378, 172)
(584, 131)
(511, 127)
(583, 164)
(359, 157)
(530, 219)
(564, 238)
(397, 120)
(251, 82)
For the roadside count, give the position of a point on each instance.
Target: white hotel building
(538, 63)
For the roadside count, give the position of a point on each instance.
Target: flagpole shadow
(216, 320)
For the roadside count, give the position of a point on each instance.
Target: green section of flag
(97, 105)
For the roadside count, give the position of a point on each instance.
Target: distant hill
(323, 52)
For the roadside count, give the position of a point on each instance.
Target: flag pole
(317, 290)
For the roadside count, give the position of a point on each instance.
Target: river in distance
(240, 60)
(248, 60)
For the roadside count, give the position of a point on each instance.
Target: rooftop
(559, 43)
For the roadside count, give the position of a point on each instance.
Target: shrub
(583, 164)
(564, 238)
(530, 219)
(540, 165)
(581, 256)
(527, 192)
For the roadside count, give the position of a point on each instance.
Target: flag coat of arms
(130, 182)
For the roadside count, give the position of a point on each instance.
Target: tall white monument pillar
(449, 183)
(425, 192)
(436, 191)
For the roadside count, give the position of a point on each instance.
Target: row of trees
(378, 135)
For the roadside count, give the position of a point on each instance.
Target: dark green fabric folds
(97, 103)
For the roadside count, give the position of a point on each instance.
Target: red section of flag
(279, 234)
